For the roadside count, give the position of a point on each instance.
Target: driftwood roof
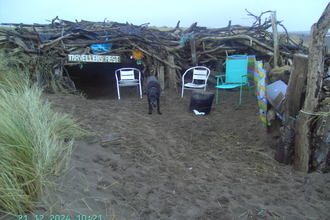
(63, 37)
(174, 49)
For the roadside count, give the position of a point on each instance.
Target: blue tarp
(100, 48)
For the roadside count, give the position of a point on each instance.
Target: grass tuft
(34, 140)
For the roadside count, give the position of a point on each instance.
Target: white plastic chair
(128, 77)
(200, 75)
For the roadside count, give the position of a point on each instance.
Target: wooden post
(161, 77)
(229, 28)
(302, 148)
(193, 52)
(151, 69)
(171, 73)
(295, 91)
(292, 104)
(275, 38)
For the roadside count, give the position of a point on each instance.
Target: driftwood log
(305, 133)
(304, 125)
(291, 105)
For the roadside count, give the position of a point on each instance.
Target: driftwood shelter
(167, 52)
(66, 55)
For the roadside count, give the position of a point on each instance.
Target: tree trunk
(302, 147)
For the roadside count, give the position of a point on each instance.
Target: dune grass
(34, 139)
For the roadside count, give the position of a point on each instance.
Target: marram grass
(33, 140)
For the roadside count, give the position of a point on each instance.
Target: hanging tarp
(101, 48)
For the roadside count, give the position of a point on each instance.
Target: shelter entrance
(97, 80)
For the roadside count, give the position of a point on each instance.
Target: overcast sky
(296, 15)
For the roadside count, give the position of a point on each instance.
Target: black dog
(153, 93)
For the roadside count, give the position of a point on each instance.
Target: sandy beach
(178, 165)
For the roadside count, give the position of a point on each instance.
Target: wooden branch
(54, 42)
(258, 18)
(36, 33)
(275, 39)
(21, 43)
(177, 25)
(191, 28)
(90, 42)
(229, 28)
(237, 37)
(221, 48)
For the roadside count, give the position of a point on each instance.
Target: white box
(276, 94)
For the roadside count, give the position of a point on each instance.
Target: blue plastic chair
(236, 76)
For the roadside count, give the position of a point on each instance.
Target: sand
(179, 165)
